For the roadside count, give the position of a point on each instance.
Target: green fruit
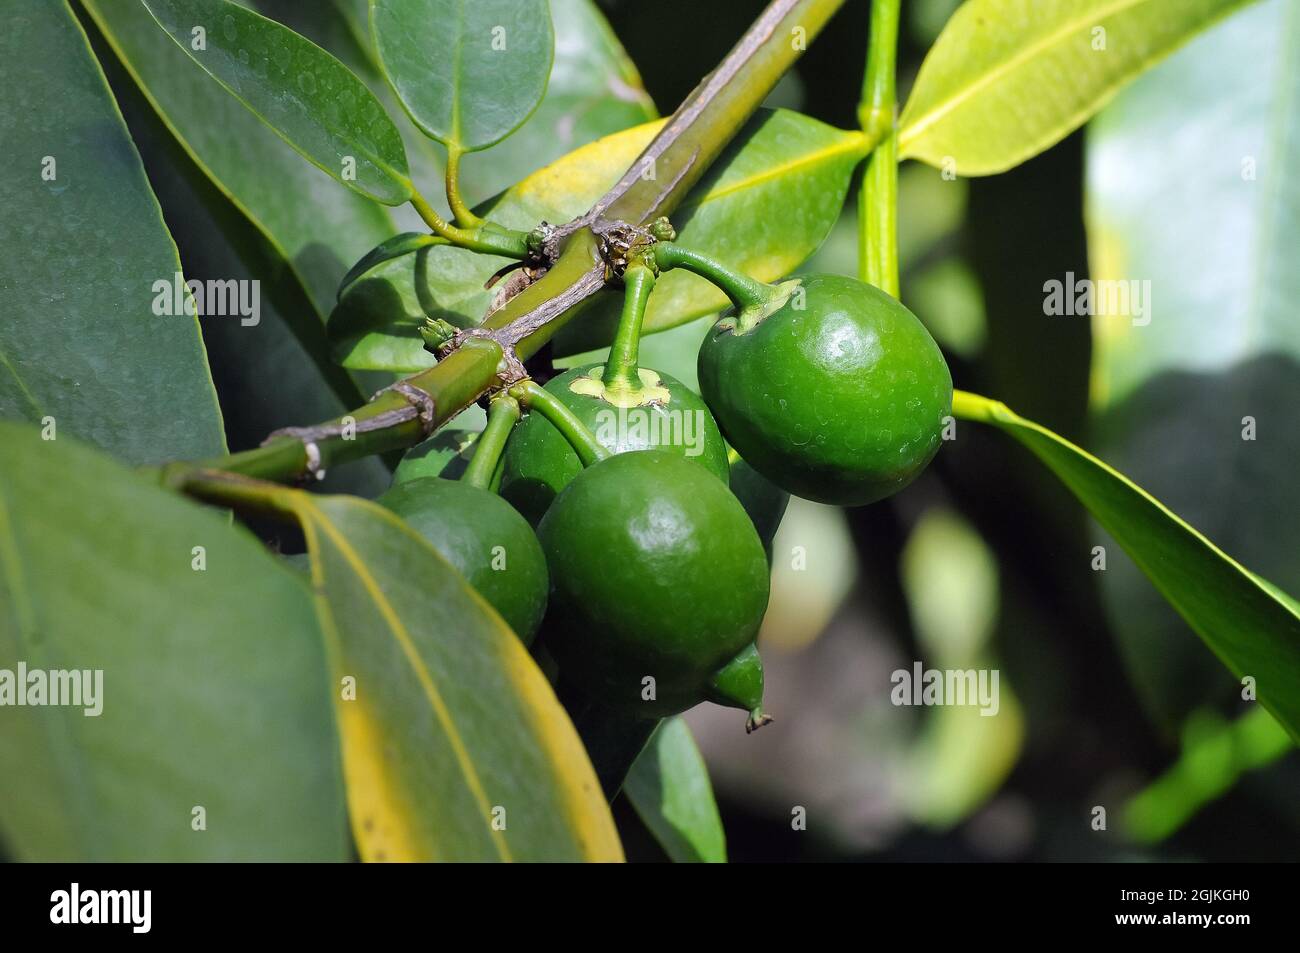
(657, 572)
(763, 500)
(539, 462)
(483, 537)
(446, 454)
(835, 392)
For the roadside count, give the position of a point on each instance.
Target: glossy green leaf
(765, 205)
(593, 91)
(468, 72)
(318, 228)
(1217, 341)
(314, 102)
(669, 787)
(454, 746)
(407, 243)
(213, 694)
(1008, 78)
(92, 343)
(267, 373)
(1252, 631)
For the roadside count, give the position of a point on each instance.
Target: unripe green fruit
(446, 454)
(763, 500)
(539, 461)
(837, 394)
(483, 537)
(656, 572)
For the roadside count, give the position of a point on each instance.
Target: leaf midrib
(913, 130)
(312, 516)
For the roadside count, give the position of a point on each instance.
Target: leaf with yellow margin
(454, 746)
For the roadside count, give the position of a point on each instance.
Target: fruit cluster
(605, 515)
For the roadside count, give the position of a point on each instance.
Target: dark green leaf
(307, 96)
(669, 787)
(468, 72)
(312, 227)
(214, 691)
(86, 259)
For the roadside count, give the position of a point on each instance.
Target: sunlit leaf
(1008, 78)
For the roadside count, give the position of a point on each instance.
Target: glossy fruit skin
(539, 462)
(763, 500)
(841, 402)
(465, 524)
(446, 454)
(655, 571)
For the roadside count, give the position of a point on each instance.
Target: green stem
(459, 210)
(503, 414)
(621, 367)
(743, 290)
(877, 112)
(484, 237)
(535, 397)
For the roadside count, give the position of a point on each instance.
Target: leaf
(266, 377)
(468, 72)
(1244, 623)
(406, 243)
(593, 91)
(314, 102)
(1008, 78)
(317, 228)
(669, 787)
(1218, 342)
(453, 727)
(213, 686)
(764, 206)
(84, 246)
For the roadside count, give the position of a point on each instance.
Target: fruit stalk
(743, 290)
(503, 414)
(535, 397)
(622, 365)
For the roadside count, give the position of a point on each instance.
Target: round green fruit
(834, 391)
(539, 461)
(656, 572)
(763, 500)
(483, 537)
(446, 454)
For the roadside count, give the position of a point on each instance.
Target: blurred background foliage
(1107, 698)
